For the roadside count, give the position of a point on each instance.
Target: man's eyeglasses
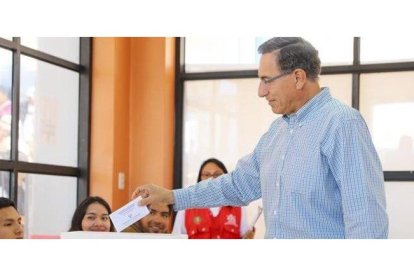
(272, 79)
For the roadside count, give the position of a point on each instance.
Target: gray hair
(293, 53)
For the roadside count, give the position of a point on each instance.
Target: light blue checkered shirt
(317, 172)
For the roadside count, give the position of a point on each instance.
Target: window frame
(356, 69)
(14, 166)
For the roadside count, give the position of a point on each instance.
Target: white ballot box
(116, 235)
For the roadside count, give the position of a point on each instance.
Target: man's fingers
(145, 201)
(144, 192)
(134, 195)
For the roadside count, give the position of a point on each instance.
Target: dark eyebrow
(95, 214)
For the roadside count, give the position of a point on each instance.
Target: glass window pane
(49, 104)
(222, 118)
(5, 102)
(333, 50)
(387, 104)
(400, 209)
(49, 203)
(384, 49)
(204, 54)
(63, 47)
(4, 184)
(339, 85)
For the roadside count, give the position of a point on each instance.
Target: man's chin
(276, 110)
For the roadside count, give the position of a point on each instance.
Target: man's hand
(151, 193)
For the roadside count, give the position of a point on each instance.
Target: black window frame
(14, 165)
(356, 69)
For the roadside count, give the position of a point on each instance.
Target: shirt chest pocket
(297, 179)
(301, 172)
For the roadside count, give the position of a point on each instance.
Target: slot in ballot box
(116, 235)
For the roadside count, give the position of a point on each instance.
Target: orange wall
(102, 117)
(132, 129)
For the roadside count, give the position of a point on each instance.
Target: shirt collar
(315, 103)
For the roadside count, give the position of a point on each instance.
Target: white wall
(400, 208)
(51, 201)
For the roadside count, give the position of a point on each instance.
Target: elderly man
(316, 168)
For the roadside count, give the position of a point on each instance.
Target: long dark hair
(211, 160)
(81, 211)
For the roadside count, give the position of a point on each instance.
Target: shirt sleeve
(179, 223)
(357, 170)
(237, 188)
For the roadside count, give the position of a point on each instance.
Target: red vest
(201, 224)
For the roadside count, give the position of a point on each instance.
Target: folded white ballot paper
(128, 214)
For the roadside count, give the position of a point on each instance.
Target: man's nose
(19, 229)
(263, 90)
(158, 219)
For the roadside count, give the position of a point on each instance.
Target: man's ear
(300, 78)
